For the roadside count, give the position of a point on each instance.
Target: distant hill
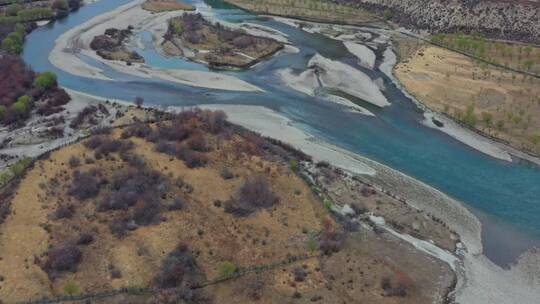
(503, 19)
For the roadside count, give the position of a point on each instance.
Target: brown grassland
(159, 6)
(500, 103)
(174, 204)
(318, 11)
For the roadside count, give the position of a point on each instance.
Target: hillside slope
(512, 20)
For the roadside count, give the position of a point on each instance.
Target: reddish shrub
(214, 120)
(15, 79)
(330, 239)
(197, 142)
(193, 159)
(140, 130)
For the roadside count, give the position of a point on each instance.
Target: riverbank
(75, 42)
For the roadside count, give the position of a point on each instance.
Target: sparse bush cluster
(254, 194)
(87, 114)
(104, 145)
(184, 136)
(140, 189)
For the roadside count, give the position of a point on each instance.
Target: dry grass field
(500, 103)
(318, 11)
(159, 6)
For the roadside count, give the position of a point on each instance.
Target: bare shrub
(93, 142)
(323, 164)
(140, 130)
(84, 185)
(299, 274)
(85, 239)
(129, 186)
(65, 257)
(102, 130)
(330, 240)
(226, 173)
(254, 194)
(174, 131)
(146, 211)
(198, 142)
(63, 211)
(178, 269)
(167, 147)
(193, 159)
(393, 290)
(119, 227)
(176, 204)
(74, 162)
(214, 120)
(84, 114)
(368, 191)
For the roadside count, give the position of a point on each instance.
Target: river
(504, 195)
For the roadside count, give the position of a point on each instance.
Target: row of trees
(511, 55)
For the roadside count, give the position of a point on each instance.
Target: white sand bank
(364, 54)
(340, 76)
(65, 54)
(465, 136)
(307, 83)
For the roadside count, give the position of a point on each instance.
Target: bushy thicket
(85, 185)
(104, 145)
(62, 258)
(87, 115)
(330, 239)
(184, 136)
(135, 187)
(253, 194)
(178, 269)
(15, 79)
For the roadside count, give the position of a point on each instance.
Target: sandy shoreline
(68, 47)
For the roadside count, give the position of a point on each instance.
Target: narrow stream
(505, 196)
